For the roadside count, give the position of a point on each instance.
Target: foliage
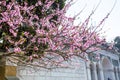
(117, 43)
(39, 30)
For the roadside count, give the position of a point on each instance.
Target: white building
(106, 68)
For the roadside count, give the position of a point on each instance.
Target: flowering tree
(39, 31)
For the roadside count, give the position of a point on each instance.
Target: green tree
(117, 42)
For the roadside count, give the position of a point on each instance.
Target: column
(113, 72)
(88, 70)
(119, 73)
(100, 71)
(94, 71)
(116, 72)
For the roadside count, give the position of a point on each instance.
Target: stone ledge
(11, 78)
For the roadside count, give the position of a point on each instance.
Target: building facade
(101, 65)
(106, 68)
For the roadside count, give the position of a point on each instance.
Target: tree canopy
(39, 30)
(117, 43)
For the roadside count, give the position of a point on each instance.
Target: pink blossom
(38, 31)
(3, 2)
(49, 3)
(35, 48)
(38, 3)
(30, 58)
(33, 40)
(13, 32)
(17, 50)
(26, 34)
(35, 55)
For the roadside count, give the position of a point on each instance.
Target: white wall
(76, 73)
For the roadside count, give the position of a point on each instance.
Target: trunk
(2, 68)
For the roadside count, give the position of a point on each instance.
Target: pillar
(119, 72)
(116, 72)
(100, 71)
(88, 70)
(113, 72)
(94, 71)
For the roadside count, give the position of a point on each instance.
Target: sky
(111, 27)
